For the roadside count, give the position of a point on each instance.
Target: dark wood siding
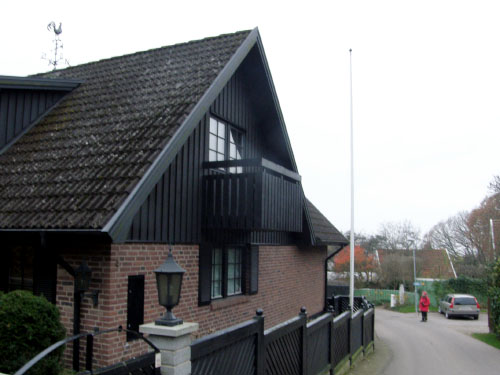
(21, 108)
(173, 210)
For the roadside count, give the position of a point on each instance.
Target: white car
(459, 305)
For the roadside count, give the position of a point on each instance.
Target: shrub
(462, 284)
(28, 325)
(494, 295)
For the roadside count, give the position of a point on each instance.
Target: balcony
(262, 196)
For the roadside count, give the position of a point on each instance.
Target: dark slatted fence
(368, 327)
(284, 347)
(318, 344)
(295, 347)
(340, 340)
(231, 351)
(356, 331)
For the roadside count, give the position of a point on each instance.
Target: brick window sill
(228, 302)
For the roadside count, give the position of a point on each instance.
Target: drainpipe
(326, 271)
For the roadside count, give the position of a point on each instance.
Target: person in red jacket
(424, 305)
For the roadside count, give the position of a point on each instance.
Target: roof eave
(32, 83)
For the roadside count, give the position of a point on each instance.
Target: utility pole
(351, 284)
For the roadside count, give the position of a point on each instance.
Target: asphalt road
(404, 345)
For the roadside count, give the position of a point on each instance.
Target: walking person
(424, 305)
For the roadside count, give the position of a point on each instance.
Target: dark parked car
(459, 305)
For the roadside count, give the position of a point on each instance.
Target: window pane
(230, 287)
(237, 285)
(212, 155)
(216, 287)
(220, 145)
(222, 130)
(213, 126)
(220, 157)
(213, 142)
(230, 271)
(232, 151)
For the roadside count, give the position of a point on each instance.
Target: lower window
(227, 270)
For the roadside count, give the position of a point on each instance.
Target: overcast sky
(426, 81)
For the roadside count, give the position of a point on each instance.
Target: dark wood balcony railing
(264, 196)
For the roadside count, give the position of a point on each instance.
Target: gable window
(227, 271)
(225, 142)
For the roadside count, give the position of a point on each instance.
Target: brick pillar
(174, 344)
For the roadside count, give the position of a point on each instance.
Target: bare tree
(494, 185)
(399, 236)
(452, 235)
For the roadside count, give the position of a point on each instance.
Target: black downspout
(326, 272)
(76, 329)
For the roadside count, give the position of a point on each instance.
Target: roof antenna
(58, 46)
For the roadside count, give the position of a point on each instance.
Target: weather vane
(58, 46)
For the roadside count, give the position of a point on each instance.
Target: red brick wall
(288, 279)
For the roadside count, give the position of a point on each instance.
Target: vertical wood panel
(11, 117)
(19, 113)
(178, 196)
(171, 202)
(4, 106)
(189, 188)
(184, 189)
(27, 110)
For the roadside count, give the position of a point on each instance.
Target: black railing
(231, 351)
(356, 331)
(146, 363)
(258, 195)
(319, 334)
(294, 347)
(285, 347)
(368, 327)
(339, 304)
(340, 345)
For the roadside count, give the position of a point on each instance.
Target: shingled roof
(75, 168)
(325, 232)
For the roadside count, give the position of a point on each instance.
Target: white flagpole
(351, 286)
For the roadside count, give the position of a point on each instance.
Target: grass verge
(488, 338)
(408, 308)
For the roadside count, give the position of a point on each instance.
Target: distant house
(116, 161)
(365, 265)
(431, 264)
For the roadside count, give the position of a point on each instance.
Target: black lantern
(169, 283)
(82, 277)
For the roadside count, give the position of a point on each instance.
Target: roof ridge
(138, 53)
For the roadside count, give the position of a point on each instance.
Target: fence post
(363, 332)
(332, 343)
(174, 344)
(373, 328)
(260, 350)
(303, 316)
(349, 330)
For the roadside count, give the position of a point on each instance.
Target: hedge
(28, 325)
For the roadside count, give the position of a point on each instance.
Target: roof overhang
(32, 83)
